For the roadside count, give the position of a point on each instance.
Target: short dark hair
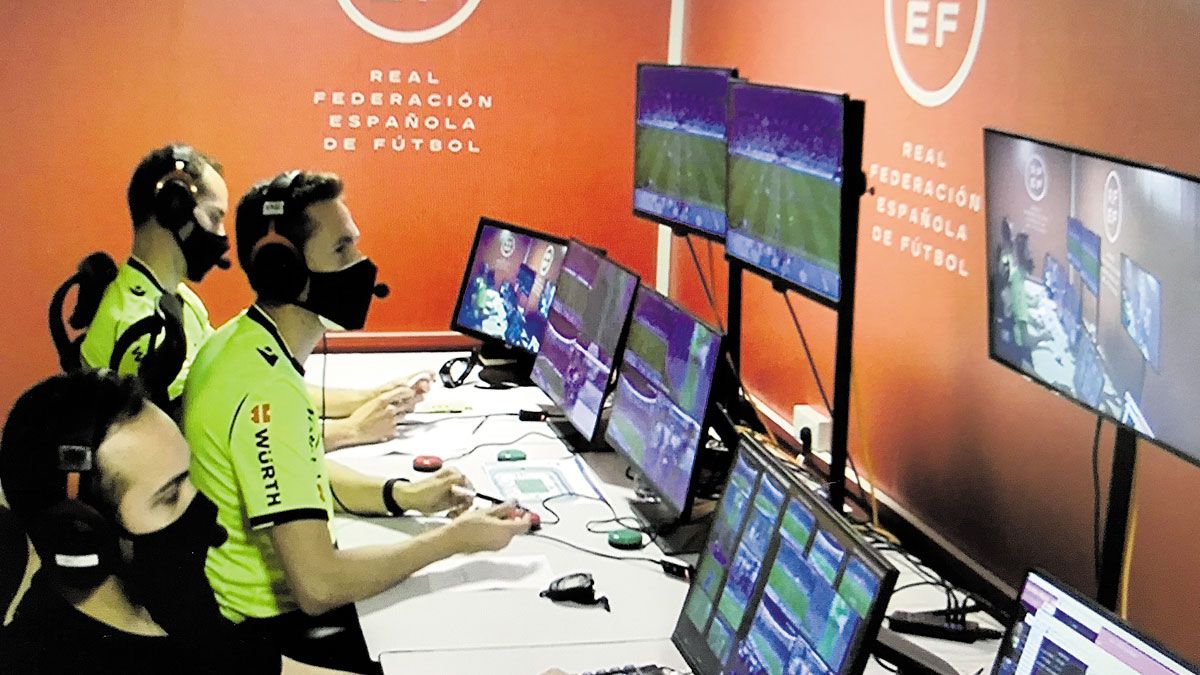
(251, 225)
(158, 163)
(74, 408)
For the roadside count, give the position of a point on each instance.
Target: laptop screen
(1058, 632)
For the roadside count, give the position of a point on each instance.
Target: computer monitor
(1083, 252)
(784, 583)
(1058, 630)
(661, 398)
(508, 285)
(679, 147)
(585, 331)
(1128, 233)
(784, 199)
(1141, 308)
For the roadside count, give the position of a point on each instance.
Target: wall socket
(817, 421)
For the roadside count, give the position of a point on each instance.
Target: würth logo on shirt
(266, 465)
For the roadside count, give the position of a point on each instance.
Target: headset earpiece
(175, 193)
(73, 538)
(277, 268)
(78, 543)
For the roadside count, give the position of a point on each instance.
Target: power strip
(930, 625)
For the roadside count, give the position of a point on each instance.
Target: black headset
(175, 193)
(74, 539)
(277, 268)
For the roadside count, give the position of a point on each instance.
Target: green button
(511, 455)
(627, 539)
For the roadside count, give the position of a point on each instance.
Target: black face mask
(343, 297)
(202, 250)
(166, 575)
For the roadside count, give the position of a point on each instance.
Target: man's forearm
(338, 402)
(323, 578)
(357, 491)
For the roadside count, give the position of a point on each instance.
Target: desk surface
(515, 631)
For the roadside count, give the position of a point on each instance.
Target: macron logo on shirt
(269, 356)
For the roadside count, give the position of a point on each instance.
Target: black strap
(390, 504)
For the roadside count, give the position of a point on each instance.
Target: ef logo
(508, 243)
(930, 52)
(1114, 207)
(1036, 180)
(411, 21)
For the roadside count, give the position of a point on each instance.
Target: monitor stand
(563, 428)
(504, 367)
(909, 657)
(673, 535)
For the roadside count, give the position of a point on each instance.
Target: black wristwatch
(390, 504)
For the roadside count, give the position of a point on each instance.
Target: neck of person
(157, 249)
(110, 604)
(300, 328)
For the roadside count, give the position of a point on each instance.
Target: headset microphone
(381, 291)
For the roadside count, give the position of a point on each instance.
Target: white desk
(515, 631)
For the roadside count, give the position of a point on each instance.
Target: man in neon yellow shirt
(177, 200)
(257, 448)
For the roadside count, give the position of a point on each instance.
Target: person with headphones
(257, 447)
(98, 476)
(178, 201)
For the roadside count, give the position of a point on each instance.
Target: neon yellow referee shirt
(131, 297)
(257, 453)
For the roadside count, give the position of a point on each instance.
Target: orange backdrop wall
(999, 466)
(88, 88)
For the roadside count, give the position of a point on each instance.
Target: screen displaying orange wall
(999, 466)
(531, 102)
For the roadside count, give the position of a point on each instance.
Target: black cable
(337, 500)
(712, 303)
(480, 446)
(742, 391)
(821, 386)
(619, 520)
(883, 664)
(598, 553)
(712, 268)
(449, 417)
(1096, 562)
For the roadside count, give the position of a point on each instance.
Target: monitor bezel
(988, 227)
(618, 350)
(678, 227)
(1018, 610)
(777, 280)
(485, 221)
(685, 635)
(683, 510)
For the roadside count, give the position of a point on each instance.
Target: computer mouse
(510, 455)
(625, 539)
(427, 463)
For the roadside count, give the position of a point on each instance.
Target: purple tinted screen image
(662, 393)
(509, 287)
(587, 316)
